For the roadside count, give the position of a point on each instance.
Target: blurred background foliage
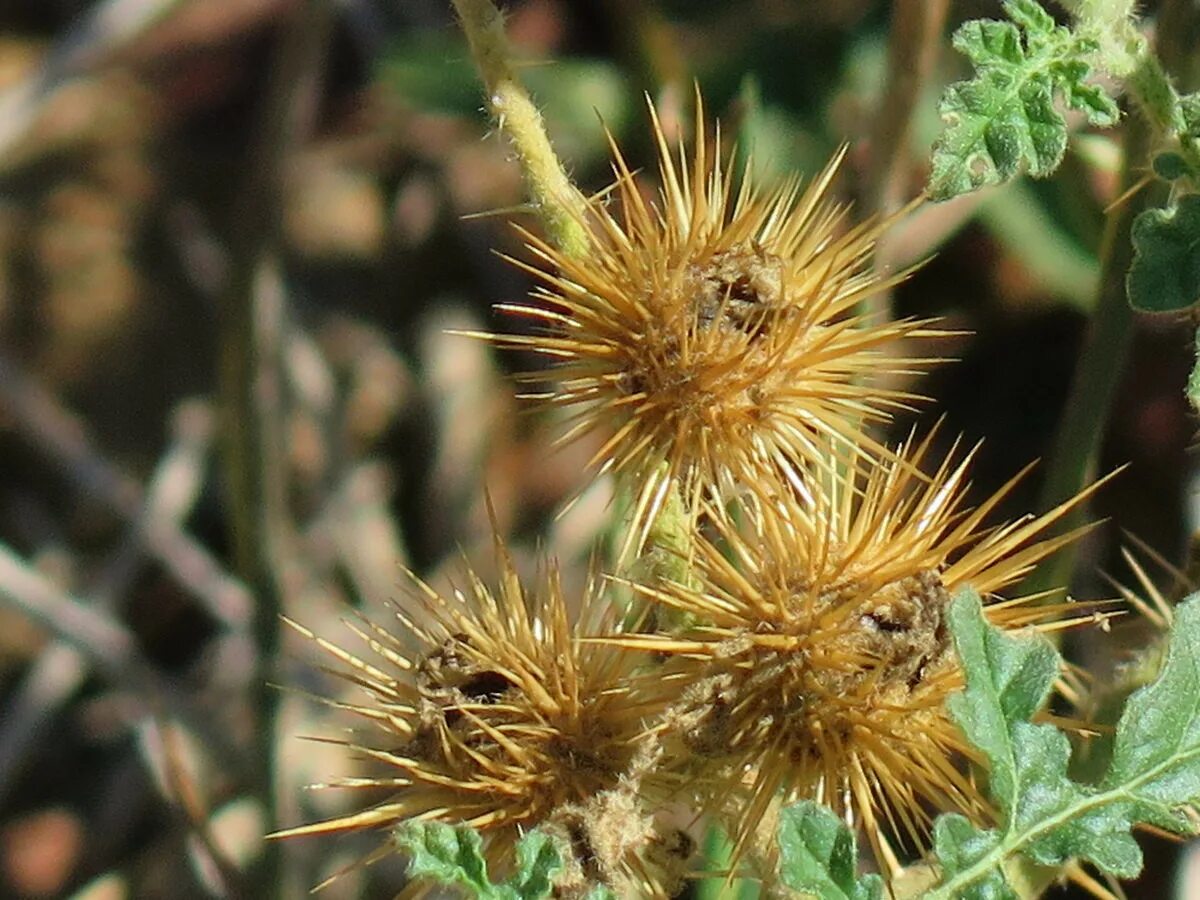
(135, 140)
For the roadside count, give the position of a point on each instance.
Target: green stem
(663, 557)
(558, 203)
(1106, 344)
(1101, 360)
(1126, 794)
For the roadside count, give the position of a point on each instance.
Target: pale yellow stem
(556, 200)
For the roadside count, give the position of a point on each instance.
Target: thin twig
(914, 41)
(62, 439)
(161, 745)
(106, 644)
(90, 631)
(61, 669)
(91, 39)
(250, 383)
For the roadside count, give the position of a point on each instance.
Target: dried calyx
(506, 721)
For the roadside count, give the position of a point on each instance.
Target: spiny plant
(1046, 818)
(820, 662)
(839, 637)
(502, 720)
(710, 338)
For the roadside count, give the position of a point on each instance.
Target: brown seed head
(711, 337)
(825, 661)
(500, 718)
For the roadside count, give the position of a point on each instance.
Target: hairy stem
(557, 201)
(1107, 341)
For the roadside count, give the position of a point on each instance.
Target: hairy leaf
(1193, 384)
(1156, 753)
(818, 855)
(1019, 675)
(452, 855)
(1005, 117)
(961, 846)
(1047, 817)
(1165, 275)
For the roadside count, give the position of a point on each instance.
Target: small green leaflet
(1154, 773)
(1005, 118)
(818, 855)
(452, 855)
(1156, 753)
(1193, 385)
(1165, 275)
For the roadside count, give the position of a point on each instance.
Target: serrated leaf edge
(1092, 799)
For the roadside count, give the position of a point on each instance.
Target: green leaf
(452, 855)
(1193, 385)
(1189, 109)
(537, 861)
(1047, 817)
(1017, 675)
(818, 855)
(1156, 753)
(1165, 275)
(1004, 119)
(1171, 166)
(1008, 679)
(959, 846)
(1030, 15)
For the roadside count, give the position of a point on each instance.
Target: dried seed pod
(502, 718)
(823, 662)
(712, 338)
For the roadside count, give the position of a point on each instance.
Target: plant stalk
(557, 202)
(250, 308)
(1106, 344)
(1101, 361)
(914, 42)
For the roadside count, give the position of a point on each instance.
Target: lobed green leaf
(452, 855)
(1156, 752)
(960, 846)
(1008, 679)
(1004, 119)
(818, 855)
(1047, 817)
(1165, 275)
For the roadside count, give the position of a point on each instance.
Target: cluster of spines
(713, 338)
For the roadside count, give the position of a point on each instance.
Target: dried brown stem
(105, 643)
(60, 669)
(61, 439)
(914, 41)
